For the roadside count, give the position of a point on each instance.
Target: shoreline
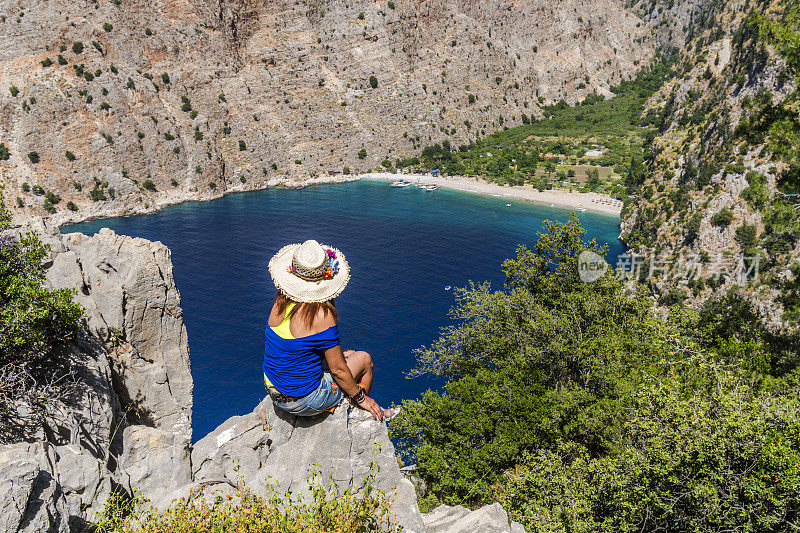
(596, 202)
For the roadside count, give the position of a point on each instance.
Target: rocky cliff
(122, 106)
(722, 170)
(127, 426)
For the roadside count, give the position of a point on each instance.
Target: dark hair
(308, 311)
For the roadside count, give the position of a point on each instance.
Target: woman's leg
(360, 365)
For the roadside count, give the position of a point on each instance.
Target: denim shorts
(327, 395)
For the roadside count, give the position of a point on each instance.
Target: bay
(404, 247)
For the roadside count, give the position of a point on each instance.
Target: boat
(401, 183)
(431, 187)
(508, 205)
(447, 287)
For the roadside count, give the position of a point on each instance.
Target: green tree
(581, 409)
(722, 218)
(4, 152)
(594, 180)
(373, 82)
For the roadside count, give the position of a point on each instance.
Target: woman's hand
(368, 404)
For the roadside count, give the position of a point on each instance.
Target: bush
(168, 136)
(746, 236)
(173, 182)
(346, 171)
(373, 82)
(78, 186)
(359, 507)
(186, 104)
(361, 16)
(97, 194)
(35, 323)
(107, 26)
(14, 90)
(242, 145)
(25, 187)
(77, 47)
(723, 218)
(47, 62)
(4, 152)
(34, 157)
(362, 154)
(148, 32)
(52, 197)
(669, 473)
(71, 206)
(165, 77)
(693, 227)
(149, 185)
(69, 155)
(471, 98)
(38, 190)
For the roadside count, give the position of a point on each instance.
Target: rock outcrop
(131, 105)
(488, 519)
(128, 425)
(133, 308)
(269, 447)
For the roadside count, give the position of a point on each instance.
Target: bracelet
(359, 396)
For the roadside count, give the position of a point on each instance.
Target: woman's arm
(344, 378)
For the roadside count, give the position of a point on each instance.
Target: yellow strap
(283, 330)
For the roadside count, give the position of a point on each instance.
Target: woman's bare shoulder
(324, 320)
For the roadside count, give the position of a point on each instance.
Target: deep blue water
(404, 246)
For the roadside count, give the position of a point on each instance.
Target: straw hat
(309, 272)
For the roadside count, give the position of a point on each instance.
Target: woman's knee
(365, 359)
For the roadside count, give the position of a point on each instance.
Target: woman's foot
(390, 413)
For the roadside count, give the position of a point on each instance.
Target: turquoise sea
(404, 247)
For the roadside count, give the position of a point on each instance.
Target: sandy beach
(597, 202)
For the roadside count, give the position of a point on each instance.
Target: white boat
(401, 183)
(508, 205)
(431, 187)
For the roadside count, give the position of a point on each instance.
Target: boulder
(269, 447)
(34, 500)
(86, 483)
(154, 463)
(488, 519)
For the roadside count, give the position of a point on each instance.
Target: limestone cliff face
(128, 423)
(202, 97)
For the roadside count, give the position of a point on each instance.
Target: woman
(305, 370)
